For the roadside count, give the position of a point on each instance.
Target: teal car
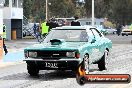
(68, 47)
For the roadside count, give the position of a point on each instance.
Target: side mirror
(93, 41)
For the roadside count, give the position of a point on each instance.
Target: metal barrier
(30, 30)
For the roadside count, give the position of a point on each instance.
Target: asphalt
(120, 62)
(120, 39)
(14, 74)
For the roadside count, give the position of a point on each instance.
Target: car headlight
(32, 54)
(70, 54)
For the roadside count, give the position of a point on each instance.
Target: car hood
(63, 46)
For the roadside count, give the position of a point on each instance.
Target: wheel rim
(106, 56)
(86, 64)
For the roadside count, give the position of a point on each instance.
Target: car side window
(90, 35)
(99, 33)
(96, 32)
(83, 36)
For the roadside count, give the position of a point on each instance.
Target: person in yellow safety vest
(131, 27)
(4, 31)
(4, 37)
(45, 28)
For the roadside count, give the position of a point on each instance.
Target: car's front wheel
(101, 63)
(32, 70)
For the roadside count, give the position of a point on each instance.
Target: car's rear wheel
(82, 70)
(102, 63)
(32, 70)
(122, 34)
(86, 63)
(81, 80)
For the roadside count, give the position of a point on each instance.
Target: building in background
(13, 18)
(88, 21)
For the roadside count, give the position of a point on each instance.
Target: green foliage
(61, 8)
(27, 6)
(109, 24)
(88, 6)
(35, 9)
(115, 10)
(57, 8)
(121, 11)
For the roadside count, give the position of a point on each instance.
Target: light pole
(92, 12)
(46, 9)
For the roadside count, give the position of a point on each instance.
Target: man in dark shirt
(52, 23)
(76, 22)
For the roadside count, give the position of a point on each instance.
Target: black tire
(81, 80)
(101, 63)
(122, 34)
(32, 70)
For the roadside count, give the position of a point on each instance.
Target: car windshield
(68, 35)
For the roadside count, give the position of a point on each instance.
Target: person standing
(66, 23)
(44, 28)
(35, 28)
(119, 29)
(39, 31)
(48, 23)
(4, 37)
(53, 23)
(131, 27)
(75, 22)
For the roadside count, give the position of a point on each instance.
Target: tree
(88, 6)
(58, 8)
(61, 8)
(121, 11)
(27, 8)
(102, 8)
(99, 9)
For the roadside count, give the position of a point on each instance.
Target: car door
(98, 43)
(92, 47)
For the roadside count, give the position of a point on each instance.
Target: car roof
(74, 27)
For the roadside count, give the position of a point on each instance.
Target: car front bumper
(126, 32)
(62, 64)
